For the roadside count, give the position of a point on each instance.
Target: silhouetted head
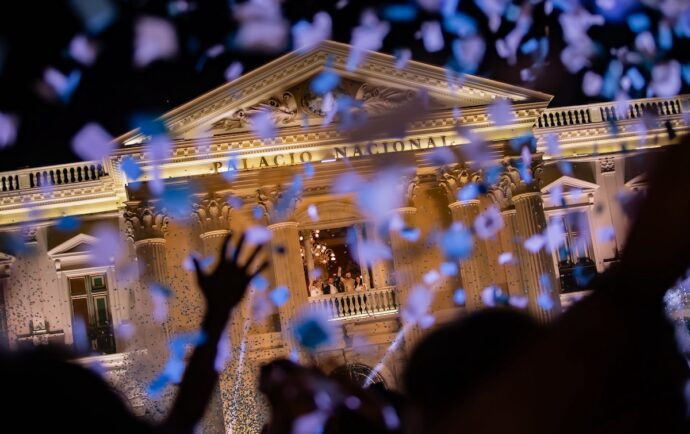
(42, 391)
(450, 363)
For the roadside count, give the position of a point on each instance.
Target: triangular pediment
(567, 183)
(77, 245)
(282, 88)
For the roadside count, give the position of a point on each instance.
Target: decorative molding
(212, 213)
(607, 164)
(145, 222)
(29, 234)
(283, 110)
(454, 177)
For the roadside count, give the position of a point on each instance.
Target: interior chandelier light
(320, 252)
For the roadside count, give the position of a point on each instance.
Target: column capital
(454, 177)
(278, 203)
(211, 214)
(522, 182)
(144, 221)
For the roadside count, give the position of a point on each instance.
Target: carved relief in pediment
(290, 106)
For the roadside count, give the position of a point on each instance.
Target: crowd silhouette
(610, 364)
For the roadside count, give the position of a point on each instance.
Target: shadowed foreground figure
(610, 364)
(43, 392)
(305, 401)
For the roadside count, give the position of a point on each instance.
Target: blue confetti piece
(257, 212)
(544, 301)
(279, 295)
(96, 15)
(468, 192)
(583, 276)
(449, 269)
(312, 333)
(459, 297)
(410, 234)
(160, 289)
(177, 201)
(260, 282)
(565, 167)
(636, 78)
(325, 82)
(235, 202)
(529, 47)
(309, 170)
(400, 12)
(638, 23)
(460, 24)
(665, 37)
(457, 243)
(131, 168)
(68, 223)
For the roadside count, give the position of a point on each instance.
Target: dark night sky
(36, 35)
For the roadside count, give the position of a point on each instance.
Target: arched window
(358, 373)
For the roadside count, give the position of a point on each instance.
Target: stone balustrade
(24, 179)
(611, 111)
(351, 305)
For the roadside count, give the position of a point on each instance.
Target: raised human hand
(224, 286)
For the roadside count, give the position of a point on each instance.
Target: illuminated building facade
(226, 180)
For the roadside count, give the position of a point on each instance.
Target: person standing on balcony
(348, 283)
(360, 286)
(315, 289)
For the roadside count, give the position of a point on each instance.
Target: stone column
(538, 272)
(146, 227)
(380, 270)
(307, 254)
(538, 269)
(474, 271)
(500, 195)
(406, 265)
(289, 271)
(212, 219)
(5, 264)
(359, 228)
(514, 280)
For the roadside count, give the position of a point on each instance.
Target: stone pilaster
(146, 227)
(211, 216)
(474, 271)
(5, 264)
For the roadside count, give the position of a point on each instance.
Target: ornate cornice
(145, 222)
(212, 213)
(454, 177)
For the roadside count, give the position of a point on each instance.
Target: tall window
(575, 257)
(89, 300)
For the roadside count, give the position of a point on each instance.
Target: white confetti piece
(92, 142)
(155, 39)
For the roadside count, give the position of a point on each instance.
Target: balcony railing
(350, 305)
(612, 111)
(50, 176)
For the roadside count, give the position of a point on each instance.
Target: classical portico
(292, 189)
